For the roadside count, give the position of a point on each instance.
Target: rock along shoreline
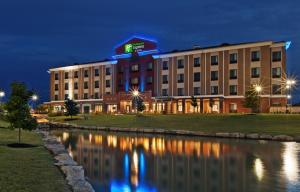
(74, 173)
(235, 135)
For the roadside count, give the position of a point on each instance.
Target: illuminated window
(180, 106)
(135, 81)
(135, 68)
(214, 90)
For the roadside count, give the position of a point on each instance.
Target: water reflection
(123, 162)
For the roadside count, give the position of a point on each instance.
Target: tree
(194, 102)
(252, 100)
(71, 108)
(18, 110)
(140, 105)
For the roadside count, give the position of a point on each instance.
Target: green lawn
(3, 124)
(27, 169)
(262, 123)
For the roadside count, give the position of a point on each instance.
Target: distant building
(217, 76)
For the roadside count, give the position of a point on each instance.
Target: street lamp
(289, 85)
(34, 97)
(2, 94)
(258, 89)
(135, 94)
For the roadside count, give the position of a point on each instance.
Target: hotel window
(56, 76)
(180, 78)
(214, 90)
(56, 97)
(180, 64)
(96, 95)
(255, 72)
(276, 89)
(233, 89)
(66, 75)
(107, 71)
(276, 56)
(120, 69)
(107, 83)
(180, 91)
(197, 90)
(197, 77)
(135, 68)
(255, 56)
(120, 82)
(76, 96)
(233, 74)
(197, 62)
(149, 66)
(233, 58)
(75, 85)
(165, 65)
(66, 86)
(165, 79)
(214, 60)
(135, 81)
(56, 87)
(276, 72)
(85, 85)
(214, 75)
(96, 72)
(85, 96)
(86, 73)
(66, 96)
(164, 92)
(149, 80)
(76, 74)
(97, 84)
(232, 108)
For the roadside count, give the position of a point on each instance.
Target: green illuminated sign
(134, 47)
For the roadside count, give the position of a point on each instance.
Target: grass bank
(27, 169)
(261, 123)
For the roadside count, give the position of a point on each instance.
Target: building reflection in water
(119, 162)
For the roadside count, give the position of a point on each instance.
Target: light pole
(135, 95)
(2, 94)
(289, 85)
(34, 98)
(258, 90)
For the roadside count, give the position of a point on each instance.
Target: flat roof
(220, 47)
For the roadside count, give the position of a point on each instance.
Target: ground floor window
(112, 108)
(98, 108)
(233, 108)
(86, 109)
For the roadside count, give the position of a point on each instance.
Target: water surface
(152, 163)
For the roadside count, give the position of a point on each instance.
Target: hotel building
(216, 76)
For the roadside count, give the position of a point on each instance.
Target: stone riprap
(73, 172)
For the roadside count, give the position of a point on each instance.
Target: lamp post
(2, 94)
(289, 85)
(34, 98)
(135, 95)
(258, 90)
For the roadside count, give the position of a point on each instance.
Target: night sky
(36, 35)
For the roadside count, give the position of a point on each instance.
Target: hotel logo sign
(134, 47)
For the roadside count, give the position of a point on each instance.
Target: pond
(153, 163)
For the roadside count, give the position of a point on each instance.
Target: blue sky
(36, 35)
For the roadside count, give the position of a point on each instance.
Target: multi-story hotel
(216, 76)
